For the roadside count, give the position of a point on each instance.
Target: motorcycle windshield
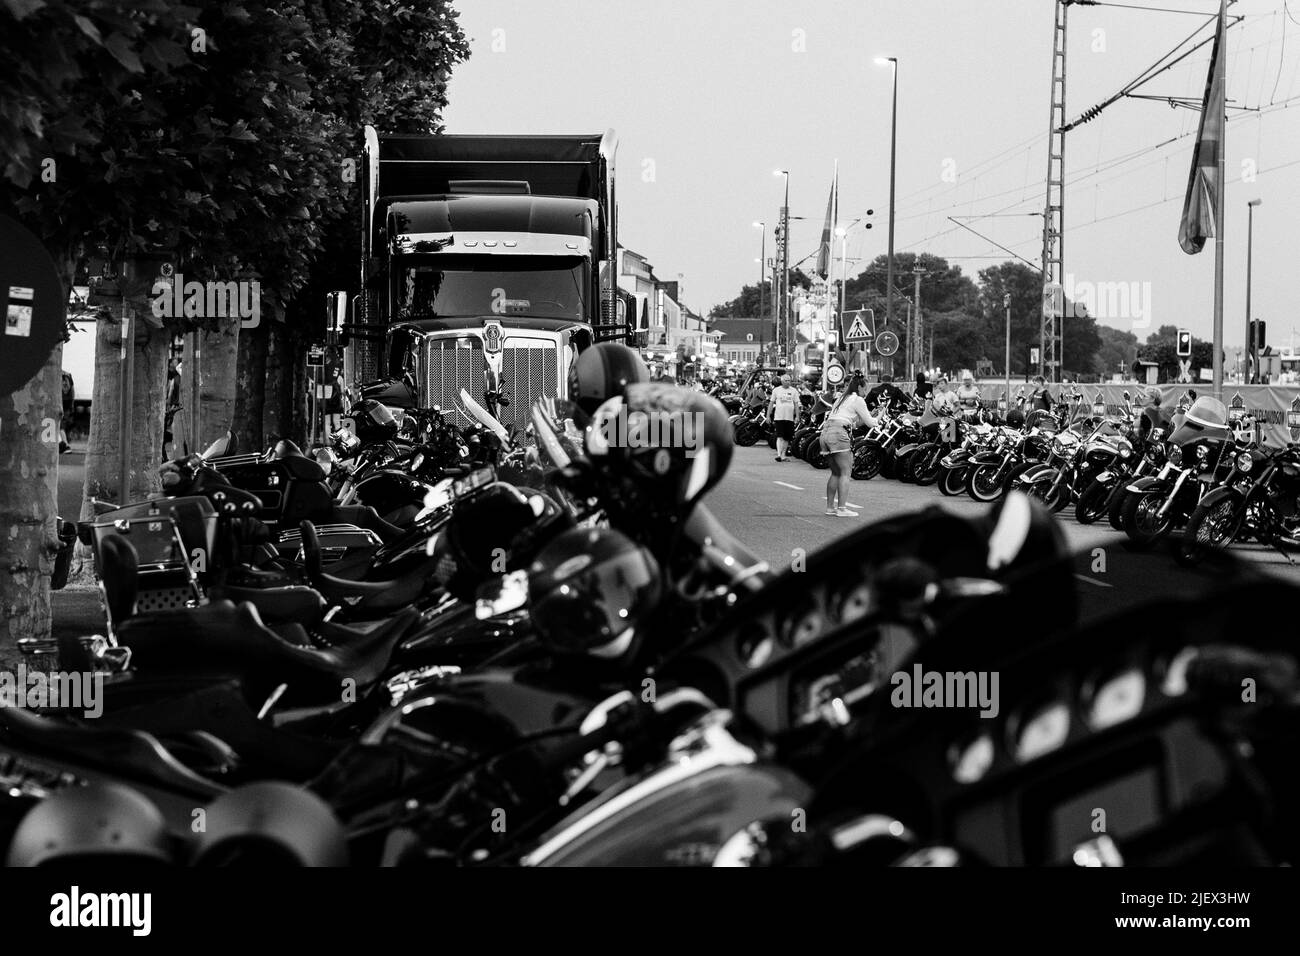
(1206, 420)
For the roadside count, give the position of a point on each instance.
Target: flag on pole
(828, 230)
(1204, 183)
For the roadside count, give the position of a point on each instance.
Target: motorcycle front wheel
(1208, 530)
(982, 483)
(952, 482)
(1092, 503)
(746, 434)
(1142, 520)
(868, 462)
(925, 464)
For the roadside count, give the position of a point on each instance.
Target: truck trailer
(488, 264)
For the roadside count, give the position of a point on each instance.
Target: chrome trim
(705, 746)
(493, 243)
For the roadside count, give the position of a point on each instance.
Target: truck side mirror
(336, 311)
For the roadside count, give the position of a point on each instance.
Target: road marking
(1100, 584)
(786, 484)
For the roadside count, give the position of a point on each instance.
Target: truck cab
(486, 267)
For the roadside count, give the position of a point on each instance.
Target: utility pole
(1051, 328)
(917, 272)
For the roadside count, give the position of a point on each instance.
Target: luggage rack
(165, 580)
(335, 541)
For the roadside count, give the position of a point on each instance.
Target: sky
(709, 97)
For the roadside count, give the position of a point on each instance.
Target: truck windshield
(459, 286)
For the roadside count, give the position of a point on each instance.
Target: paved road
(776, 508)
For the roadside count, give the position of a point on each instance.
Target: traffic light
(1257, 334)
(1184, 348)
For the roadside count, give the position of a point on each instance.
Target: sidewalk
(75, 613)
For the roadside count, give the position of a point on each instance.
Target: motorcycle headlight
(1245, 462)
(1201, 452)
(1175, 455)
(1126, 453)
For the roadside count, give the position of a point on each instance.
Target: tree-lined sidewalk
(221, 139)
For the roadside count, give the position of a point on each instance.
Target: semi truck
(488, 264)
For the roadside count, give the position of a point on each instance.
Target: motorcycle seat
(227, 637)
(277, 605)
(129, 753)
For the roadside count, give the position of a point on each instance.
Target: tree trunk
(218, 382)
(148, 397)
(252, 391)
(29, 456)
(274, 420)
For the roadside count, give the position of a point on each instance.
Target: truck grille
(528, 371)
(448, 368)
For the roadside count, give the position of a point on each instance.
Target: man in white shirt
(783, 409)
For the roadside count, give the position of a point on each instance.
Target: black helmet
(603, 372)
(270, 823)
(659, 449)
(590, 589)
(486, 525)
(374, 421)
(91, 823)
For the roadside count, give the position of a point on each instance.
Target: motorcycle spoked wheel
(1092, 503)
(1013, 478)
(952, 482)
(925, 465)
(982, 483)
(1208, 530)
(1142, 522)
(868, 463)
(746, 434)
(1053, 493)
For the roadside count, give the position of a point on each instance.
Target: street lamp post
(893, 157)
(1252, 346)
(1006, 303)
(784, 304)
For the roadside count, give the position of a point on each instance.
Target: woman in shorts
(849, 411)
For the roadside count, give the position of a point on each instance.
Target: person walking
(783, 409)
(849, 410)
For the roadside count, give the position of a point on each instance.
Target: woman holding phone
(849, 411)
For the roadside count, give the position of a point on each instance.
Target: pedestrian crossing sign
(858, 331)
